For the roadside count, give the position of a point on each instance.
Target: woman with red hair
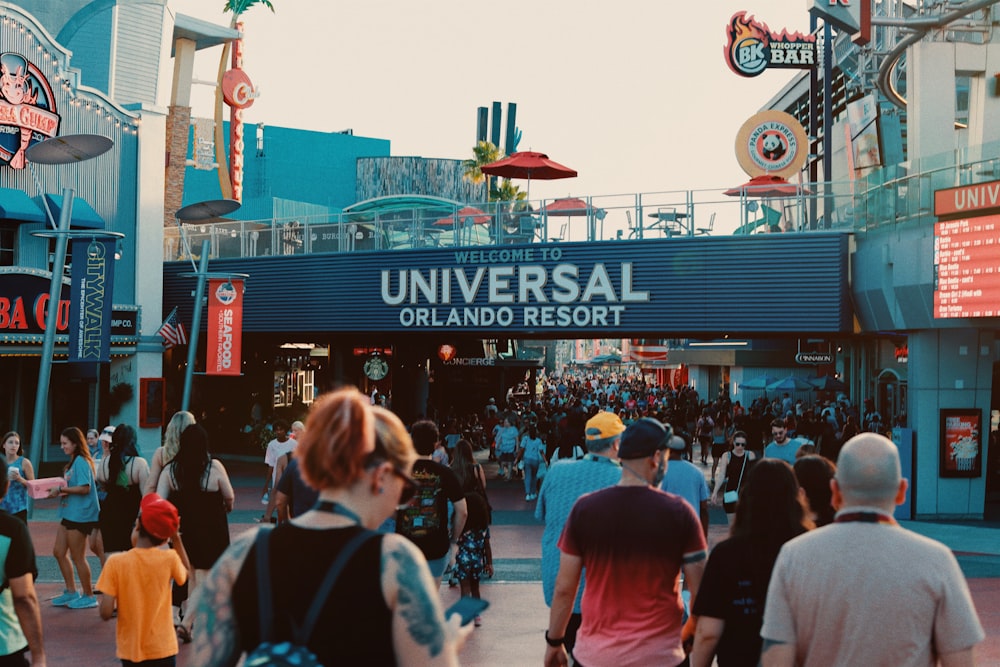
(359, 457)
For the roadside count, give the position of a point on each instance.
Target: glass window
(8, 242)
(962, 84)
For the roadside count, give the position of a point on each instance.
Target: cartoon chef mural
(27, 107)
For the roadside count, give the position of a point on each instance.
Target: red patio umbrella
(529, 165)
(767, 185)
(478, 217)
(568, 206)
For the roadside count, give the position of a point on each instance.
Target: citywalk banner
(91, 290)
(225, 327)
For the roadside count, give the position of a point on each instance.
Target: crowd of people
(112, 500)
(370, 511)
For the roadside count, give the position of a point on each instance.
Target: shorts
(15, 659)
(718, 449)
(506, 457)
(85, 527)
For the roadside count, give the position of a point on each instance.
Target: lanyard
(336, 508)
(865, 517)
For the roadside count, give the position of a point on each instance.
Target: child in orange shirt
(139, 580)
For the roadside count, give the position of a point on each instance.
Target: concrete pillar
(930, 93)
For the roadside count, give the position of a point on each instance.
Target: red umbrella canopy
(568, 206)
(458, 217)
(529, 165)
(767, 185)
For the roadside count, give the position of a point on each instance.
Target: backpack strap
(265, 602)
(265, 608)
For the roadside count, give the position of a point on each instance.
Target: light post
(205, 210)
(59, 150)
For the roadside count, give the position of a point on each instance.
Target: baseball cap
(107, 434)
(604, 425)
(643, 438)
(676, 442)
(158, 516)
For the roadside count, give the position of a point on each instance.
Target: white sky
(634, 95)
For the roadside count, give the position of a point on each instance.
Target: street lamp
(68, 149)
(205, 210)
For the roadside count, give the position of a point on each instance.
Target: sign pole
(51, 322)
(195, 325)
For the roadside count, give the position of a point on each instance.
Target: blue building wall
(317, 168)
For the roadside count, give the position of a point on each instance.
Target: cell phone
(468, 608)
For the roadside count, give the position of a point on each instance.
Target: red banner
(225, 327)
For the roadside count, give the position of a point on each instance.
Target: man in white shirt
(900, 598)
(278, 447)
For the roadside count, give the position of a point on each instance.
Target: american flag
(172, 331)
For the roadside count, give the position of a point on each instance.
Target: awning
(84, 215)
(15, 205)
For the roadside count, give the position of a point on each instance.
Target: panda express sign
(751, 47)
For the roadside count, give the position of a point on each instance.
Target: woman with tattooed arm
(384, 608)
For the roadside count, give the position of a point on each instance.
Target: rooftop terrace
(896, 195)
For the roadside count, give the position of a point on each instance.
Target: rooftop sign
(751, 47)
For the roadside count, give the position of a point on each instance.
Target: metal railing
(899, 194)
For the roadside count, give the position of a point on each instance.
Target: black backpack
(292, 653)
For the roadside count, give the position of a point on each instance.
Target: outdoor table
(671, 223)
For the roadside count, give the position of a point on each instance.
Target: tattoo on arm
(416, 605)
(216, 636)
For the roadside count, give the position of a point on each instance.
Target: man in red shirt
(634, 540)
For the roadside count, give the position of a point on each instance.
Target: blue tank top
(16, 499)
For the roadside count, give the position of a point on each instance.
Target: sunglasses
(739, 444)
(777, 432)
(410, 486)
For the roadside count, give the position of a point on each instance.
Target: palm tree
(509, 192)
(237, 7)
(484, 153)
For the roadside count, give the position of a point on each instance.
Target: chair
(563, 230)
(666, 214)
(527, 227)
(706, 230)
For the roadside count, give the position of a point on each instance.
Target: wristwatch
(554, 642)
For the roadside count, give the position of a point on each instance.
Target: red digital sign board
(967, 267)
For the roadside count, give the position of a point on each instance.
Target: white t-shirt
(275, 450)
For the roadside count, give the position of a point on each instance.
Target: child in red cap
(139, 580)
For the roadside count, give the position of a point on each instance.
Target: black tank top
(355, 627)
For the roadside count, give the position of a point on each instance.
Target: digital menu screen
(967, 267)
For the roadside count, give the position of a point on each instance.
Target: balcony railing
(899, 194)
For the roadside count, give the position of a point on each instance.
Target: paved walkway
(513, 625)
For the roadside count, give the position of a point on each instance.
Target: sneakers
(64, 599)
(530, 497)
(264, 498)
(83, 602)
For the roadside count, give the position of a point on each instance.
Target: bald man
(864, 591)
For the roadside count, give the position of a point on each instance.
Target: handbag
(733, 496)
